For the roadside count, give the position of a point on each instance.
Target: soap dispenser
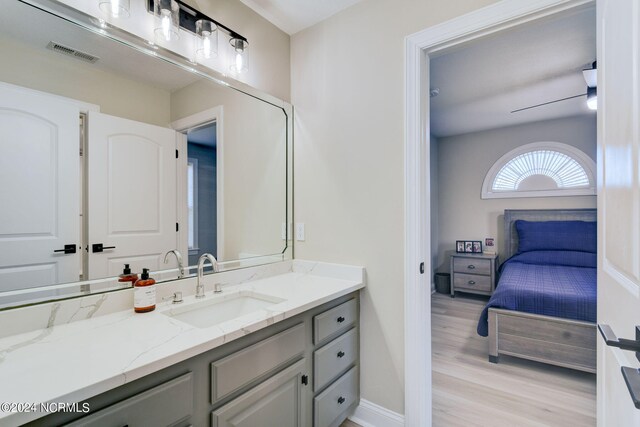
(127, 278)
(144, 293)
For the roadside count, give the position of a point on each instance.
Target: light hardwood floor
(470, 391)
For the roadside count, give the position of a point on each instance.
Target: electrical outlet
(300, 231)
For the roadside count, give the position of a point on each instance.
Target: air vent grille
(69, 51)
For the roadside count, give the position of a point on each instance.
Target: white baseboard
(368, 414)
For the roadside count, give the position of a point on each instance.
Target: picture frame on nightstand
(468, 246)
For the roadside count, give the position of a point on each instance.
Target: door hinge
(305, 380)
(422, 268)
(177, 227)
(177, 155)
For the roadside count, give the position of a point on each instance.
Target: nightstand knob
(472, 282)
(471, 266)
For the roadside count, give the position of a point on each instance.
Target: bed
(544, 306)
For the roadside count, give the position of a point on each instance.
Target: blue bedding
(552, 283)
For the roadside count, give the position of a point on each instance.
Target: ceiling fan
(590, 77)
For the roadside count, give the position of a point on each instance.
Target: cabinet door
(131, 194)
(279, 401)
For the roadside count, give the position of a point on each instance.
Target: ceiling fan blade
(547, 103)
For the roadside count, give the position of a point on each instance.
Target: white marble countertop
(74, 361)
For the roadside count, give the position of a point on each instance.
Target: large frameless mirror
(112, 153)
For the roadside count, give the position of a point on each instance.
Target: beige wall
(44, 70)
(347, 86)
(254, 164)
(465, 160)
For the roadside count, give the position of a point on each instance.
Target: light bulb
(206, 44)
(166, 24)
(115, 8)
(592, 103)
(239, 62)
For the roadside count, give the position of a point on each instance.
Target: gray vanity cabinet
(299, 372)
(279, 401)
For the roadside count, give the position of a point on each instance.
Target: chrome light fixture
(207, 39)
(115, 8)
(239, 58)
(167, 22)
(175, 15)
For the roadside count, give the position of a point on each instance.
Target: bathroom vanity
(293, 360)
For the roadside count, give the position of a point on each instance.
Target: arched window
(541, 169)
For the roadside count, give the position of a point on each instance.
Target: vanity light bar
(189, 16)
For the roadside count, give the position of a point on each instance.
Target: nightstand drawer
(472, 282)
(473, 266)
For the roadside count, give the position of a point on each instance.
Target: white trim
(215, 114)
(482, 22)
(368, 414)
(578, 155)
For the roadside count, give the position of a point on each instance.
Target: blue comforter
(552, 283)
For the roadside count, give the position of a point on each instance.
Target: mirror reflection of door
(202, 163)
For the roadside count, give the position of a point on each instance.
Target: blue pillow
(565, 258)
(578, 236)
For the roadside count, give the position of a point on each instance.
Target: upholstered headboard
(511, 215)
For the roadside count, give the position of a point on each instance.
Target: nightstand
(473, 273)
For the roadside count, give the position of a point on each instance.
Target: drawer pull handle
(340, 354)
(471, 266)
(472, 282)
(340, 319)
(341, 400)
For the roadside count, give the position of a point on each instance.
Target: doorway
(420, 47)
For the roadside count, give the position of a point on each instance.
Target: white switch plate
(300, 231)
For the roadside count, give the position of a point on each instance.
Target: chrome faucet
(200, 285)
(179, 258)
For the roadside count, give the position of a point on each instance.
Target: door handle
(612, 340)
(68, 249)
(99, 247)
(631, 375)
(340, 354)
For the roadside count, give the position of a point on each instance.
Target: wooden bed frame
(547, 339)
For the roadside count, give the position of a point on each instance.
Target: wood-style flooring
(470, 391)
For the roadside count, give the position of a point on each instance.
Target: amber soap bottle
(144, 293)
(127, 278)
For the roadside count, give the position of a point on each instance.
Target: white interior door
(40, 190)
(131, 194)
(618, 202)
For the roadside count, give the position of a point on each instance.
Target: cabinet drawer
(165, 405)
(240, 368)
(470, 265)
(330, 405)
(334, 358)
(472, 282)
(336, 320)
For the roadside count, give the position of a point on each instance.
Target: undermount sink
(217, 309)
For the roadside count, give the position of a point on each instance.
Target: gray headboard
(511, 215)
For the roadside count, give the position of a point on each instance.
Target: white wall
(464, 161)
(435, 190)
(347, 85)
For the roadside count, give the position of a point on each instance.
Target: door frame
(182, 126)
(417, 290)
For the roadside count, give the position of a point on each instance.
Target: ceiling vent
(69, 51)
